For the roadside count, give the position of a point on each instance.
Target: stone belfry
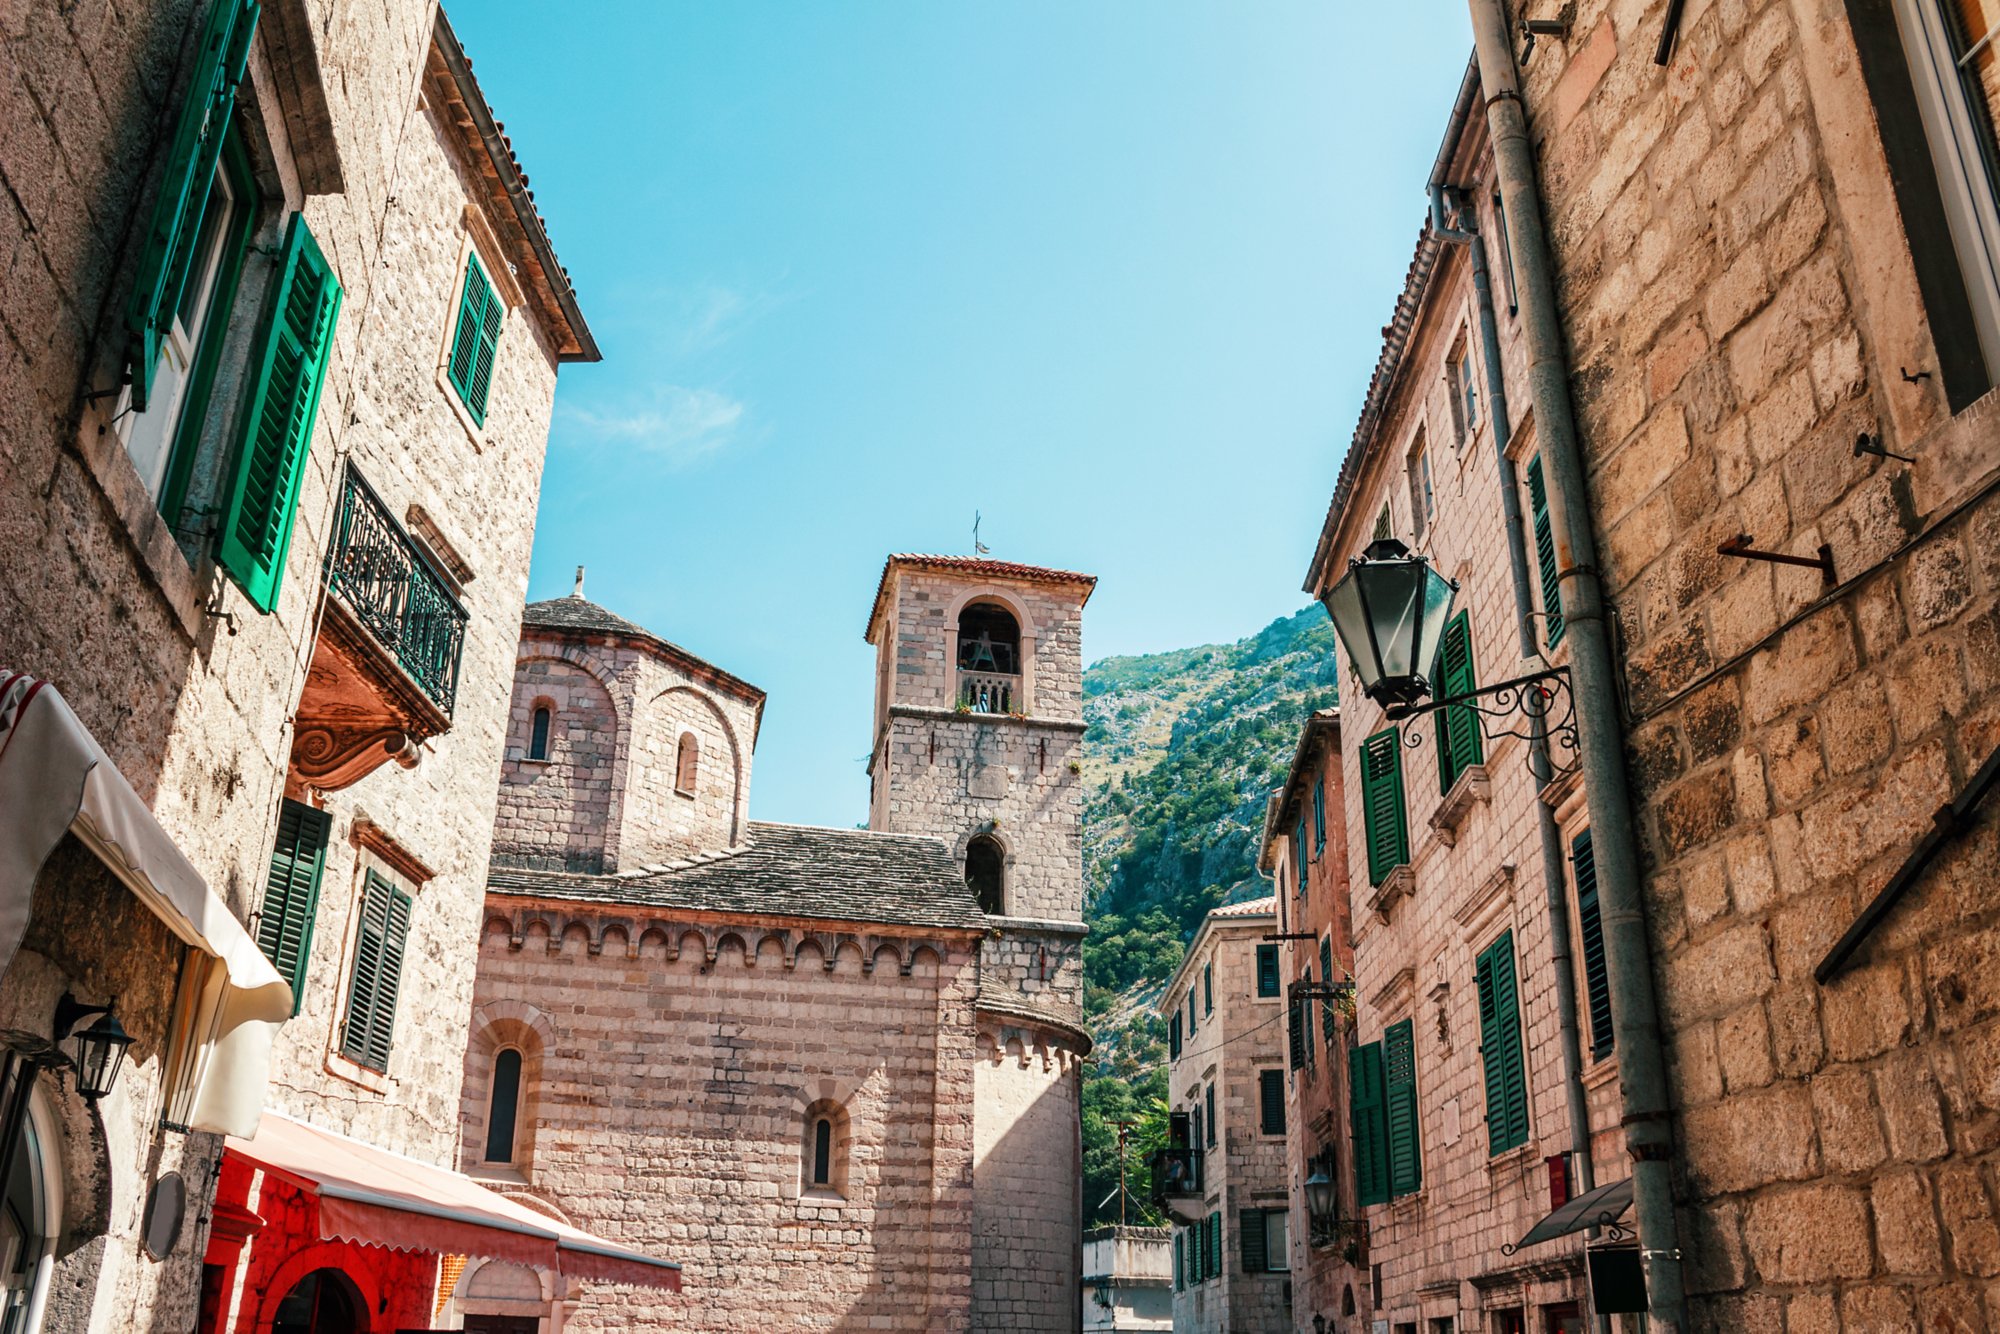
(978, 742)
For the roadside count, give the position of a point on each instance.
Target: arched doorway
(986, 873)
(30, 1216)
(323, 1302)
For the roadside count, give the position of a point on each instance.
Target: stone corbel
(1395, 995)
(328, 756)
(1400, 883)
(1471, 789)
(378, 841)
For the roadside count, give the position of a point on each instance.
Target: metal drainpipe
(1635, 1019)
(1554, 879)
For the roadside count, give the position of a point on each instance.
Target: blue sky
(1111, 274)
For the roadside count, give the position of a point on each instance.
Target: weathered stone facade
(352, 120)
(1753, 274)
(1216, 1081)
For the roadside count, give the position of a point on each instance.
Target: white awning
(55, 778)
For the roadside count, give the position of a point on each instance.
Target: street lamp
(1390, 611)
(1319, 1196)
(99, 1050)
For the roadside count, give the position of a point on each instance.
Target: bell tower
(978, 742)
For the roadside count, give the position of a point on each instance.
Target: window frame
(472, 416)
(493, 1106)
(541, 727)
(1270, 980)
(1267, 1078)
(379, 1012)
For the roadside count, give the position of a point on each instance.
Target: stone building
(1477, 1100)
(1763, 234)
(1128, 1280)
(1224, 1177)
(1304, 852)
(281, 334)
(832, 1072)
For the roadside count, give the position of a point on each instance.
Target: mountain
(1182, 751)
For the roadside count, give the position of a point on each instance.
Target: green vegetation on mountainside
(1182, 752)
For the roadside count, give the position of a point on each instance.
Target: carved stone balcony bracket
(1381, 899)
(1471, 789)
(359, 709)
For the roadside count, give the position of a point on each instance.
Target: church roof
(844, 875)
(973, 565)
(579, 615)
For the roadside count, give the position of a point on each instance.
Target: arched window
(986, 873)
(323, 1302)
(687, 763)
(822, 1165)
(538, 734)
(989, 659)
(30, 1213)
(505, 1109)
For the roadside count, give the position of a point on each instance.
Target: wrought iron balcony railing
(1176, 1172)
(374, 566)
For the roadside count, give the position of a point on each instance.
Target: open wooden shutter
(291, 893)
(1295, 1028)
(378, 974)
(1250, 1239)
(1209, 1096)
(1271, 1100)
(1267, 970)
(1500, 1047)
(475, 341)
(1545, 553)
(1319, 815)
(168, 245)
(1459, 743)
(1382, 803)
(1399, 1079)
(278, 421)
(1328, 1020)
(1367, 1123)
(1590, 930)
(1174, 1037)
(1180, 1259)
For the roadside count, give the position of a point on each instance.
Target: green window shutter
(1459, 743)
(1327, 1016)
(1271, 1100)
(1382, 803)
(1500, 1047)
(1190, 1009)
(475, 341)
(1304, 857)
(1210, 1096)
(1250, 1238)
(168, 245)
(1215, 1244)
(1399, 1081)
(1590, 927)
(1295, 1027)
(1319, 815)
(378, 974)
(1174, 1037)
(1367, 1123)
(1267, 970)
(1180, 1259)
(1208, 988)
(1545, 553)
(291, 893)
(278, 421)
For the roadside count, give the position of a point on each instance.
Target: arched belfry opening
(986, 873)
(989, 659)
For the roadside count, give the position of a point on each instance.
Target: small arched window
(687, 763)
(986, 873)
(538, 734)
(822, 1166)
(989, 659)
(505, 1110)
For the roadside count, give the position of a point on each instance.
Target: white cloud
(678, 423)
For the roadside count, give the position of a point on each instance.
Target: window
(986, 874)
(823, 1150)
(1382, 803)
(505, 1107)
(1208, 988)
(1951, 62)
(378, 974)
(1271, 1101)
(1328, 1016)
(1367, 1123)
(989, 640)
(1267, 971)
(1423, 499)
(822, 1163)
(1500, 1047)
(1590, 930)
(1190, 1009)
(1464, 398)
(31, 1205)
(1319, 817)
(1399, 1083)
(1197, 1120)
(687, 764)
(1180, 1259)
(1174, 1037)
(1213, 1269)
(1545, 554)
(1384, 526)
(538, 734)
(1208, 1100)
(1459, 740)
(323, 1302)
(1260, 1234)
(1295, 1031)
(1299, 855)
(291, 893)
(475, 339)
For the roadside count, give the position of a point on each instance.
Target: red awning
(377, 1198)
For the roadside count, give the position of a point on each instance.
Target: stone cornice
(986, 719)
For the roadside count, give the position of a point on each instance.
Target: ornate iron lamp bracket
(1541, 698)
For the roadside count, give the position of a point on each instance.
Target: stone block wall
(555, 813)
(669, 1102)
(1740, 297)
(1027, 1207)
(918, 649)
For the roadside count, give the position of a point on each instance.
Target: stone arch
(843, 947)
(893, 948)
(500, 1026)
(922, 951)
(656, 934)
(820, 950)
(1001, 597)
(703, 950)
(962, 852)
(664, 818)
(572, 930)
(333, 1255)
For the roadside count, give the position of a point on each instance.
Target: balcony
(384, 674)
(988, 692)
(1177, 1182)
